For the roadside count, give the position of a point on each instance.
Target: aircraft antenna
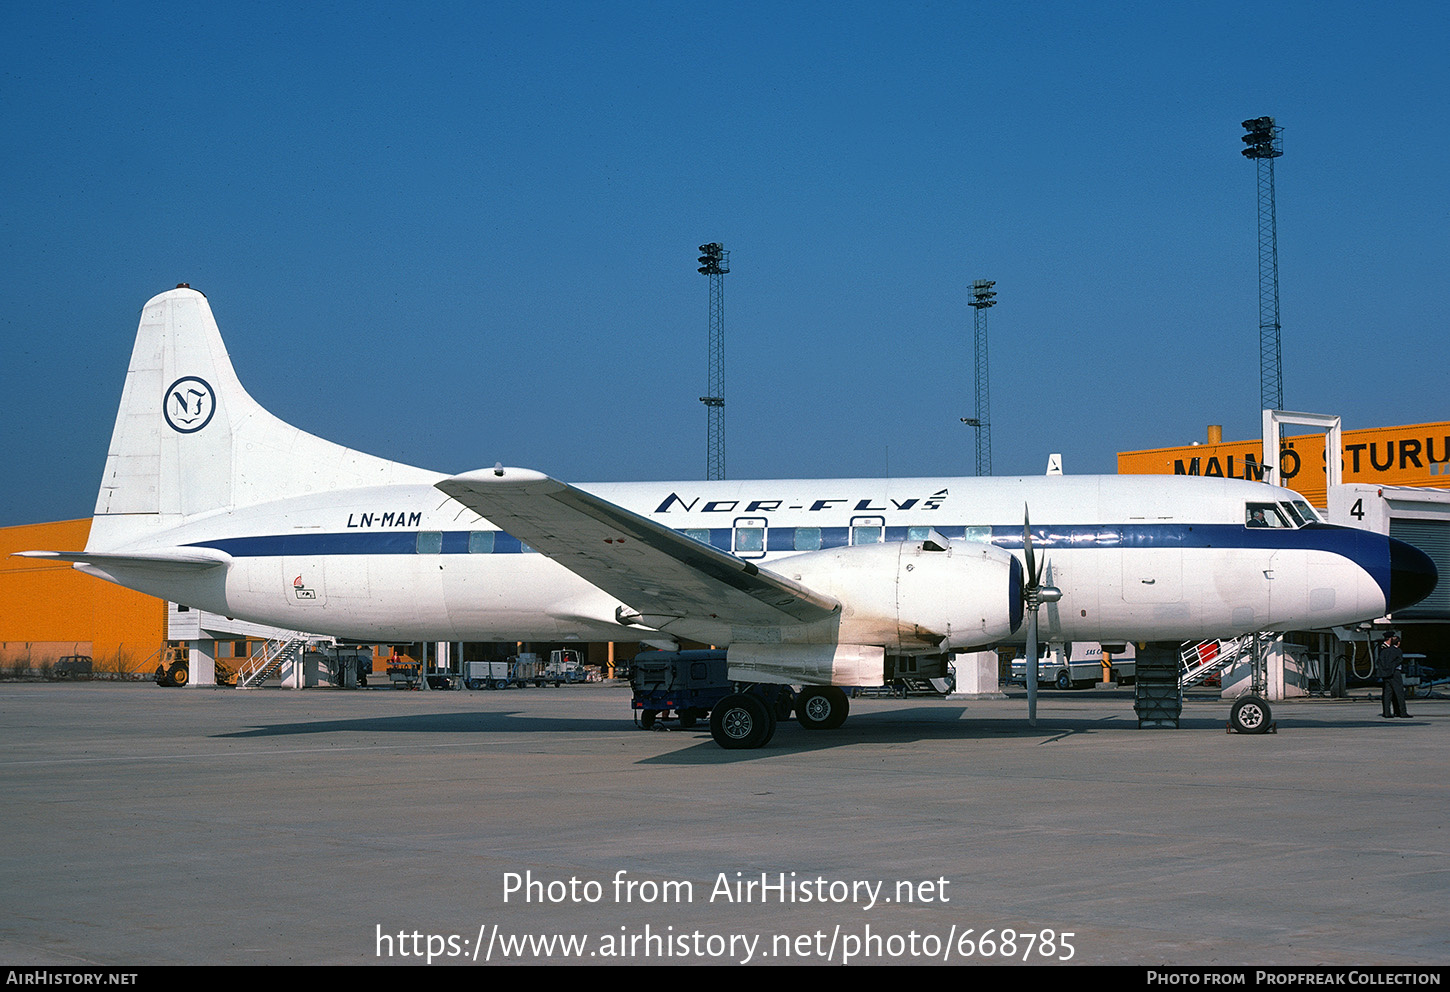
(982, 298)
(1264, 145)
(714, 263)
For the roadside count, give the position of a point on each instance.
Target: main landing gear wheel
(821, 707)
(741, 722)
(1250, 715)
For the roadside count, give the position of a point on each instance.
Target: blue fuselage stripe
(1364, 547)
(1368, 550)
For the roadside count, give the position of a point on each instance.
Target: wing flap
(651, 568)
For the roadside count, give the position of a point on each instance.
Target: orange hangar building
(49, 611)
(1417, 455)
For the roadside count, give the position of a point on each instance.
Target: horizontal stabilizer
(176, 560)
(655, 570)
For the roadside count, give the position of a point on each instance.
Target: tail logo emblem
(189, 404)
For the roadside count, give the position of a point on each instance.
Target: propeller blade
(1032, 573)
(1032, 667)
(1030, 578)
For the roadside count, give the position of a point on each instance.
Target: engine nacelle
(917, 597)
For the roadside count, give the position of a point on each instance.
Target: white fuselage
(1136, 558)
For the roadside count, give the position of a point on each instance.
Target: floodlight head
(1262, 138)
(982, 293)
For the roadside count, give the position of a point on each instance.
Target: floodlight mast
(1264, 145)
(714, 263)
(982, 299)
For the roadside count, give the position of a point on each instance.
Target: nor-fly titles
(787, 887)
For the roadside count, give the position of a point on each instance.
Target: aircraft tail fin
(190, 441)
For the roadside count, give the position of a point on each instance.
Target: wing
(662, 575)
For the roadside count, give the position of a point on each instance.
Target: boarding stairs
(1198, 661)
(920, 685)
(906, 685)
(270, 656)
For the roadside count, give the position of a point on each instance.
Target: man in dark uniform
(1392, 681)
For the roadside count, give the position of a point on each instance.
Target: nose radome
(1413, 575)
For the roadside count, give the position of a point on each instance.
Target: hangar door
(1433, 538)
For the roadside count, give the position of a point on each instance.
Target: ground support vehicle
(404, 672)
(1421, 679)
(681, 685)
(487, 674)
(175, 667)
(564, 666)
(689, 686)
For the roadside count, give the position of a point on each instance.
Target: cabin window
(430, 542)
(750, 540)
(748, 537)
(808, 539)
(480, 542)
(918, 533)
(868, 530)
(701, 534)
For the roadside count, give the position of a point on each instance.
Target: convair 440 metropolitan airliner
(210, 501)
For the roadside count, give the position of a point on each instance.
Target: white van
(1078, 666)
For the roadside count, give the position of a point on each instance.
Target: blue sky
(455, 234)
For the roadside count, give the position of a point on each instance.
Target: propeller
(1034, 594)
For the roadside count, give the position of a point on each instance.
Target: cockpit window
(1306, 511)
(1293, 514)
(1264, 515)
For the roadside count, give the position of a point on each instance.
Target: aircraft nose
(1412, 575)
